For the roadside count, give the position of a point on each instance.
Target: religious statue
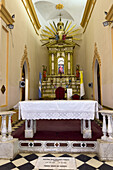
(44, 72)
(61, 69)
(77, 72)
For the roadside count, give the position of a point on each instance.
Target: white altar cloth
(58, 109)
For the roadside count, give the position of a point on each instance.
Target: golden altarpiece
(59, 40)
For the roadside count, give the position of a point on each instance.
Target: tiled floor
(17, 125)
(26, 161)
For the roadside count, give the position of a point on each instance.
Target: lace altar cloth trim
(67, 109)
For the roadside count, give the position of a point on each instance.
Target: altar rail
(6, 131)
(107, 127)
(57, 146)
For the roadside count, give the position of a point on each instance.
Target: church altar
(85, 110)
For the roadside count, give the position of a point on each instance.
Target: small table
(58, 109)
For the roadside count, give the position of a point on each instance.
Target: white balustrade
(4, 129)
(107, 129)
(104, 130)
(9, 128)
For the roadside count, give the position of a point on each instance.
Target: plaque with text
(55, 163)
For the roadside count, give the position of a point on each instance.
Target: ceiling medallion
(59, 6)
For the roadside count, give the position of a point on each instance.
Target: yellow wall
(97, 33)
(23, 34)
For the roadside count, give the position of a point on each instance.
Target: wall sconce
(11, 26)
(106, 23)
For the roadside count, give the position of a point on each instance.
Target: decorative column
(66, 63)
(110, 131)
(71, 63)
(9, 128)
(50, 66)
(3, 129)
(55, 64)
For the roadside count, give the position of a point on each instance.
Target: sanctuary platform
(59, 130)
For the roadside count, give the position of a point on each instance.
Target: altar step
(58, 136)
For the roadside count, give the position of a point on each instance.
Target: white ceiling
(47, 12)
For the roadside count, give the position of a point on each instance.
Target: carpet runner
(59, 130)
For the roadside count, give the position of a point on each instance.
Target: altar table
(58, 109)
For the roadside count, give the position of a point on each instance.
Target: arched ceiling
(47, 12)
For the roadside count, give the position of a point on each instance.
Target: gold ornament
(59, 6)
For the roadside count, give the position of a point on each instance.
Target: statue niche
(60, 65)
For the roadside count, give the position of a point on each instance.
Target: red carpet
(59, 130)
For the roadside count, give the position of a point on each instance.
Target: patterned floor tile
(27, 166)
(83, 158)
(49, 155)
(91, 154)
(79, 163)
(2, 162)
(27, 161)
(41, 154)
(25, 154)
(65, 155)
(75, 155)
(17, 157)
(19, 162)
(31, 157)
(105, 167)
(33, 162)
(7, 166)
(96, 157)
(110, 163)
(87, 167)
(95, 163)
(57, 155)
